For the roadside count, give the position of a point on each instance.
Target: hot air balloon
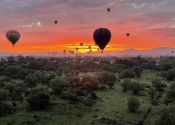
(81, 44)
(102, 37)
(64, 51)
(127, 34)
(13, 36)
(56, 22)
(89, 47)
(76, 49)
(108, 9)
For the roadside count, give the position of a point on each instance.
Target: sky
(151, 24)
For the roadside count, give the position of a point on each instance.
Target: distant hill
(150, 52)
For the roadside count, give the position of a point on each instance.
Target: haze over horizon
(151, 24)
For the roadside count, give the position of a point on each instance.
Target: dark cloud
(86, 14)
(91, 3)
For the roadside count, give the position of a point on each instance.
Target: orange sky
(149, 24)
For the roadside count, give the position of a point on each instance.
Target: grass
(112, 104)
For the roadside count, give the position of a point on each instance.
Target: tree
(13, 71)
(107, 78)
(171, 74)
(171, 95)
(136, 87)
(39, 97)
(158, 85)
(31, 80)
(137, 71)
(4, 95)
(125, 84)
(88, 81)
(167, 117)
(166, 66)
(133, 104)
(128, 73)
(58, 84)
(152, 93)
(6, 108)
(11, 60)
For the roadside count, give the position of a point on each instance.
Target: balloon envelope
(127, 34)
(81, 44)
(13, 36)
(55, 21)
(102, 36)
(89, 47)
(108, 9)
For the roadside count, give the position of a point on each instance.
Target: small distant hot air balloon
(56, 22)
(64, 51)
(76, 49)
(127, 34)
(108, 9)
(102, 36)
(172, 51)
(71, 52)
(89, 47)
(13, 36)
(81, 44)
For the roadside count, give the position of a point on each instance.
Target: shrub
(133, 104)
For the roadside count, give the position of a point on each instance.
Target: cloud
(91, 3)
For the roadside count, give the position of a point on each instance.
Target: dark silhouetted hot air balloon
(127, 34)
(81, 44)
(102, 36)
(89, 47)
(56, 22)
(172, 52)
(13, 36)
(76, 49)
(108, 9)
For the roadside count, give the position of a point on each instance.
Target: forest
(87, 91)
